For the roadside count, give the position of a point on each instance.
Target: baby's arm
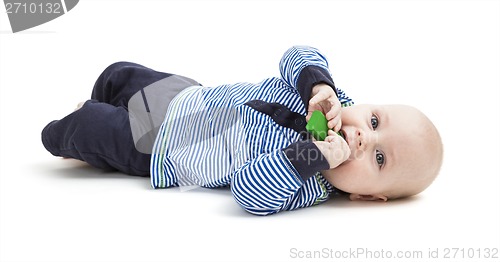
(270, 183)
(284, 179)
(306, 69)
(303, 68)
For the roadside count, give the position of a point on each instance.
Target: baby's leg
(121, 80)
(99, 134)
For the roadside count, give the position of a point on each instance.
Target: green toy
(318, 126)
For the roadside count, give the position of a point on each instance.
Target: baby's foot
(79, 105)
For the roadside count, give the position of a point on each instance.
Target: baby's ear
(358, 197)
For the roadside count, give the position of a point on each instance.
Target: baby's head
(396, 152)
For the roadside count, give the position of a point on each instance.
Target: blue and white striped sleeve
(303, 67)
(269, 184)
(344, 99)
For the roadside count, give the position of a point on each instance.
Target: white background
(440, 56)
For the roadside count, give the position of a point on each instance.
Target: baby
(251, 137)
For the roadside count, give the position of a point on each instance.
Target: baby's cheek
(344, 175)
(358, 155)
(357, 169)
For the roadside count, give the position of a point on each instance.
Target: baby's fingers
(346, 151)
(333, 110)
(330, 136)
(320, 96)
(335, 123)
(338, 151)
(333, 116)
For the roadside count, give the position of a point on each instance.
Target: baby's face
(386, 143)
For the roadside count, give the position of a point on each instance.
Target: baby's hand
(334, 148)
(324, 99)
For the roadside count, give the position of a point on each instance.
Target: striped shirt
(211, 138)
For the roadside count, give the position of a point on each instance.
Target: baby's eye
(374, 122)
(380, 158)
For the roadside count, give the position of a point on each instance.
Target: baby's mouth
(341, 133)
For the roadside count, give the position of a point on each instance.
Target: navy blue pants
(99, 133)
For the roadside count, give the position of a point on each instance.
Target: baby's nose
(361, 141)
(366, 140)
